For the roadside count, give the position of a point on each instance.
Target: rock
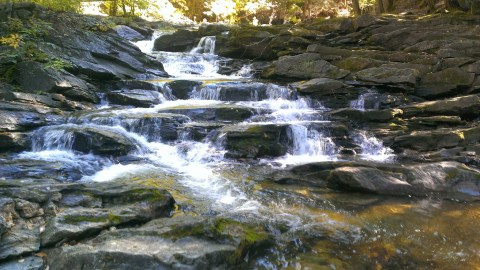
(153, 126)
(392, 77)
(136, 97)
(364, 21)
(128, 33)
(367, 116)
(123, 203)
(14, 141)
(321, 87)
(18, 121)
(464, 106)
(223, 113)
(355, 64)
(181, 89)
(180, 41)
(28, 209)
(249, 43)
(28, 263)
(304, 66)
(256, 141)
(429, 140)
(347, 26)
(443, 83)
(233, 91)
(177, 243)
(436, 121)
(35, 78)
(448, 179)
(86, 139)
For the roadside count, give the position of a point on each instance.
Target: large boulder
(182, 89)
(250, 43)
(443, 83)
(429, 140)
(20, 120)
(135, 97)
(304, 66)
(86, 139)
(128, 33)
(180, 41)
(321, 87)
(254, 141)
(176, 243)
(464, 106)
(391, 77)
(33, 77)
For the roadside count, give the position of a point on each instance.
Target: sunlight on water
(372, 148)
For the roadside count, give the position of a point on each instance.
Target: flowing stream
(315, 228)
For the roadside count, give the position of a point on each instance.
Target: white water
(372, 148)
(146, 46)
(205, 45)
(198, 165)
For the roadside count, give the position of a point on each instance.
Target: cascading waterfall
(371, 147)
(205, 45)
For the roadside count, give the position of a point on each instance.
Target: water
(313, 227)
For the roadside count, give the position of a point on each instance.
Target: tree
(356, 7)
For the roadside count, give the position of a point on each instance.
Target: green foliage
(13, 40)
(60, 5)
(57, 64)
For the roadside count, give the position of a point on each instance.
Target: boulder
(445, 82)
(367, 116)
(34, 78)
(17, 121)
(87, 139)
(14, 141)
(134, 204)
(179, 41)
(304, 66)
(233, 91)
(128, 33)
(135, 97)
(391, 77)
(321, 87)
(181, 89)
(364, 21)
(255, 141)
(354, 63)
(249, 43)
(447, 179)
(429, 140)
(464, 106)
(177, 243)
(28, 263)
(222, 112)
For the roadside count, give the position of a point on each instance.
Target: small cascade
(209, 92)
(372, 148)
(205, 45)
(358, 104)
(146, 46)
(361, 102)
(309, 142)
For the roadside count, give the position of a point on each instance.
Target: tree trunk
(356, 7)
(113, 8)
(124, 8)
(381, 9)
(390, 6)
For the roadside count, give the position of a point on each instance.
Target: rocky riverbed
(340, 143)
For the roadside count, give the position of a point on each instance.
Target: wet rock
(136, 97)
(233, 91)
(29, 263)
(121, 205)
(128, 33)
(35, 78)
(463, 106)
(392, 77)
(449, 179)
(181, 89)
(355, 64)
(180, 41)
(304, 66)
(367, 116)
(254, 141)
(429, 140)
(90, 139)
(443, 83)
(223, 113)
(154, 126)
(20, 121)
(177, 243)
(14, 141)
(321, 87)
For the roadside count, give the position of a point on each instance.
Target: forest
(253, 11)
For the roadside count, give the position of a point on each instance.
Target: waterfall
(371, 147)
(205, 45)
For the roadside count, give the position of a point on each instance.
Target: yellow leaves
(13, 40)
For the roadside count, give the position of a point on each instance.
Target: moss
(85, 219)
(114, 219)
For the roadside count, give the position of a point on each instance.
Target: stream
(314, 227)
